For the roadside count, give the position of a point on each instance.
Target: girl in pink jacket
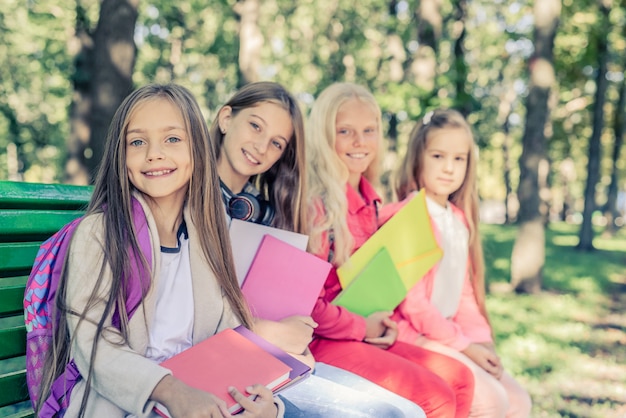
(445, 312)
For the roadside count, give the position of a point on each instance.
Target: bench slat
(34, 195)
(17, 256)
(29, 413)
(40, 223)
(11, 297)
(12, 342)
(13, 388)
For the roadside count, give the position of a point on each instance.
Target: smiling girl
(156, 164)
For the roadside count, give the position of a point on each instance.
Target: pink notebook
(226, 359)
(283, 280)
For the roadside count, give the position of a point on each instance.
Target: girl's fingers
(260, 391)
(260, 403)
(255, 391)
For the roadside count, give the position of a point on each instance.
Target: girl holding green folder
(344, 145)
(258, 137)
(445, 311)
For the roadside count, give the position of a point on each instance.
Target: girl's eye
(172, 139)
(255, 126)
(278, 145)
(343, 132)
(136, 142)
(460, 158)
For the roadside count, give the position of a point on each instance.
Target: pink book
(299, 370)
(283, 280)
(223, 360)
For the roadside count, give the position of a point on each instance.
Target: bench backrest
(29, 214)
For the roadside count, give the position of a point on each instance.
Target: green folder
(378, 287)
(408, 237)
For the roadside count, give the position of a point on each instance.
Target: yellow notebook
(378, 287)
(408, 237)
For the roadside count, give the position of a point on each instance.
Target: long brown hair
(284, 184)
(112, 197)
(466, 197)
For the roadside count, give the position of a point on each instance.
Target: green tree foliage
(34, 88)
(481, 48)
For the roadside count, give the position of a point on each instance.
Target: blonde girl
(343, 150)
(157, 161)
(445, 311)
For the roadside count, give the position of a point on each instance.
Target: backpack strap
(62, 387)
(59, 398)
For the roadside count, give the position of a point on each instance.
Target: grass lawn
(567, 345)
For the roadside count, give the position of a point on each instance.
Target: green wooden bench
(29, 214)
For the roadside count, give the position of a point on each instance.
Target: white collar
(436, 209)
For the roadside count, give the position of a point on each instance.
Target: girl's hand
(184, 401)
(381, 330)
(292, 334)
(374, 325)
(300, 330)
(498, 363)
(261, 406)
(485, 357)
(306, 358)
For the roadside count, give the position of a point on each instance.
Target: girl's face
(356, 142)
(158, 152)
(256, 137)
(445, 163)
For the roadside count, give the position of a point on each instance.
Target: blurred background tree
(68, 64)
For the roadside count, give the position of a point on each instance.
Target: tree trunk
(463, 99)
(528, 257)
(114, 54)
(610, 210)
(504, 112)
(585, 242)
(250, 41)
(15, 165)
(76, 170)
(424, 65)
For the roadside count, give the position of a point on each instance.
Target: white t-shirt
(448, 284)
(171, 330)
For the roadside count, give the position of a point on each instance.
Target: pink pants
(440, 385)
(493, 398)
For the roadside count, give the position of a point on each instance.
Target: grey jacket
(123, 377)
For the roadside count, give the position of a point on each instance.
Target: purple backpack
(39, 304)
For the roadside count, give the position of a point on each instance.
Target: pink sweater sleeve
(335, 322)
(469, 318)
(417, 316)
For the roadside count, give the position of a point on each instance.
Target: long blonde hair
(466, 197)
(327, 174)
(112, 197)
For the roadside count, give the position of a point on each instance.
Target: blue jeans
(331, 392)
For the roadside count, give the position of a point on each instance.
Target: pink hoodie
(416, 316)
